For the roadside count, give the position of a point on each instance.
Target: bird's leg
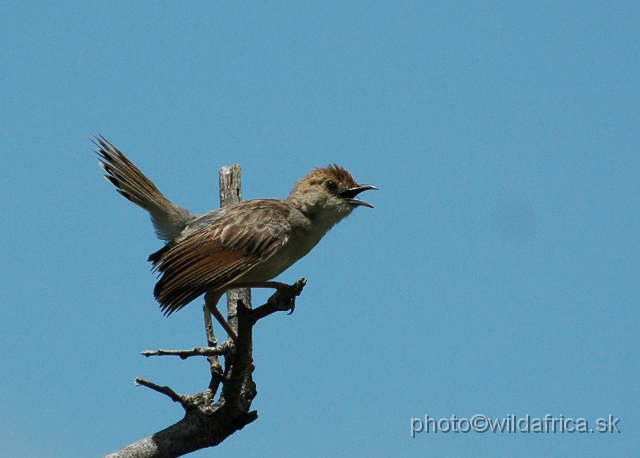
(211, 301)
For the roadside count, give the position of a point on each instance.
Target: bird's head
(329, 192)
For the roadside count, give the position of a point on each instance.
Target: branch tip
(167, 391)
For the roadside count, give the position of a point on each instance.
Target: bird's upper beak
(350, 195)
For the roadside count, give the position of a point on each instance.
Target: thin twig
(224, 349)
(214, 362)
(175, 397)
(208, 327)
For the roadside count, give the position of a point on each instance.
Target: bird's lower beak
(350, 195)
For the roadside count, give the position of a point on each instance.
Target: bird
(247, 243)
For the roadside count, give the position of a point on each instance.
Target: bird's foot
(285, 297)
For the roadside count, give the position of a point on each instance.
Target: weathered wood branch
(224, 349)
(207, 422)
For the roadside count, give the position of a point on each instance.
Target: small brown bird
(249, 242)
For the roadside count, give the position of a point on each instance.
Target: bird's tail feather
(168, 218)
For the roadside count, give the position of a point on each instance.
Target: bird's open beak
(350, 195)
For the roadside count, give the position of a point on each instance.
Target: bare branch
(208, 327)
(224, 349)
(175, 397)
(231, 193)
(214, 363)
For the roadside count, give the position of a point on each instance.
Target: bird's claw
(285, 297)
(282, 301)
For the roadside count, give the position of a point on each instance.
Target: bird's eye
(331, 185)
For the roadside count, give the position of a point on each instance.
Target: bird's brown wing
(217, 254)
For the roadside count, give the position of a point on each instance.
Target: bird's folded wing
(217, 254)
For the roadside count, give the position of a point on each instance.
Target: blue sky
(498, 274)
